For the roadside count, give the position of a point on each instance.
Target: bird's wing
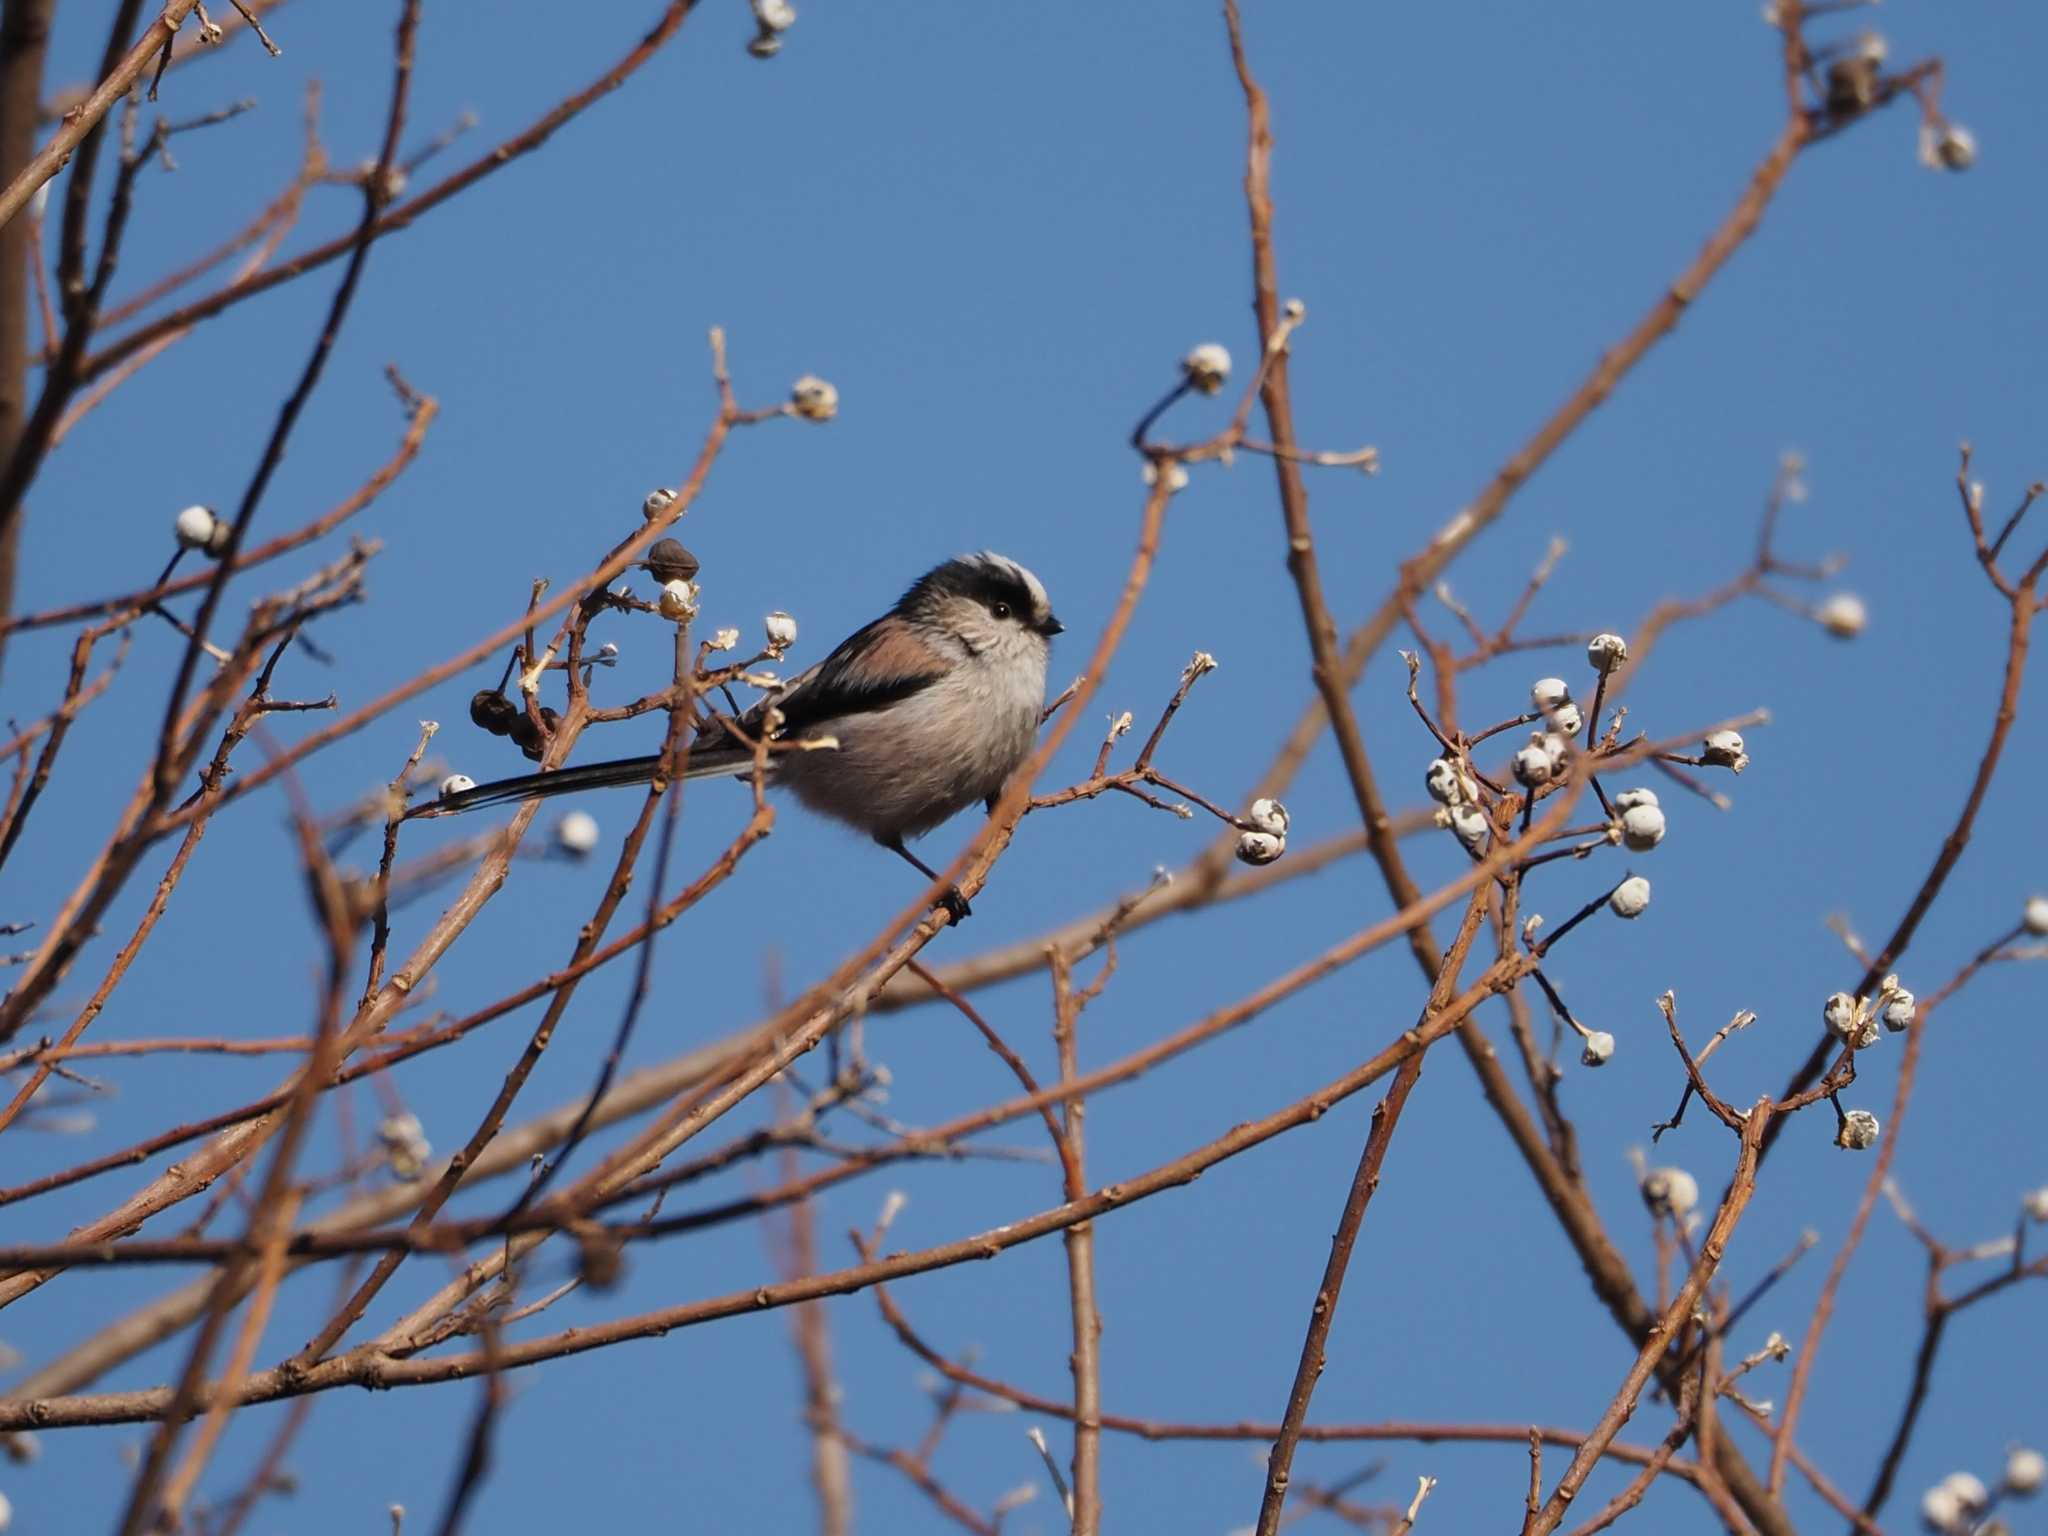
(879, 664)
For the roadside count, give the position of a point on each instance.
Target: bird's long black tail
(616, 774)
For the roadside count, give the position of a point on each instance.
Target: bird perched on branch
(933, 705)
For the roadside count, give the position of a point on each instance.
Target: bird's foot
(956, 904)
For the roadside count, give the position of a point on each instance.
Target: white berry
(814, 399)
(1259, 847)
(1606, 652)
(1268, 816)
(577, 833)
(1631, 898)
(1843, 615)
(1207, 367)
(1670, 1191)
(1642, 827)
(203, 529)
(1858, 1131)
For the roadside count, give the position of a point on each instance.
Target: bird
(934, 705)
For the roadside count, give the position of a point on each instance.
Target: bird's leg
(955, 903)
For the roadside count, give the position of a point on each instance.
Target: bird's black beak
(1051, 626)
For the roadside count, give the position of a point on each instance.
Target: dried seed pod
(668, 561)
(492, 711)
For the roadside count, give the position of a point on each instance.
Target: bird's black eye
(1000, 610)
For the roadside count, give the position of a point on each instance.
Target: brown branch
(2022, 602)
(376, 190)
(79, 122)
(376, 1366)
(1080, 1245)
(391, 220)
(24, 39)
(421, 411)
(829, 1474)
(1668, 1327)
(1365, 1183)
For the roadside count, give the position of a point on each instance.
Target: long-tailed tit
(934, 706)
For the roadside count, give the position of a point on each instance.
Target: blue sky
(995, 230)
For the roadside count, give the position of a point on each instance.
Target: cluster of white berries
(1953, 1505)
(1457, 792)
(1553, 697)
(203, 529)
(405, 1146)
(1854, 1020)
(779, 631)
(658, 501)
(1639, 820)
(2035, 917)
(813, 399)
(1266, 838)
(455, 784)
(1545, 757)
(1207, 367)
(1596, 1048)
(576, 834)
(1670, 1192)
